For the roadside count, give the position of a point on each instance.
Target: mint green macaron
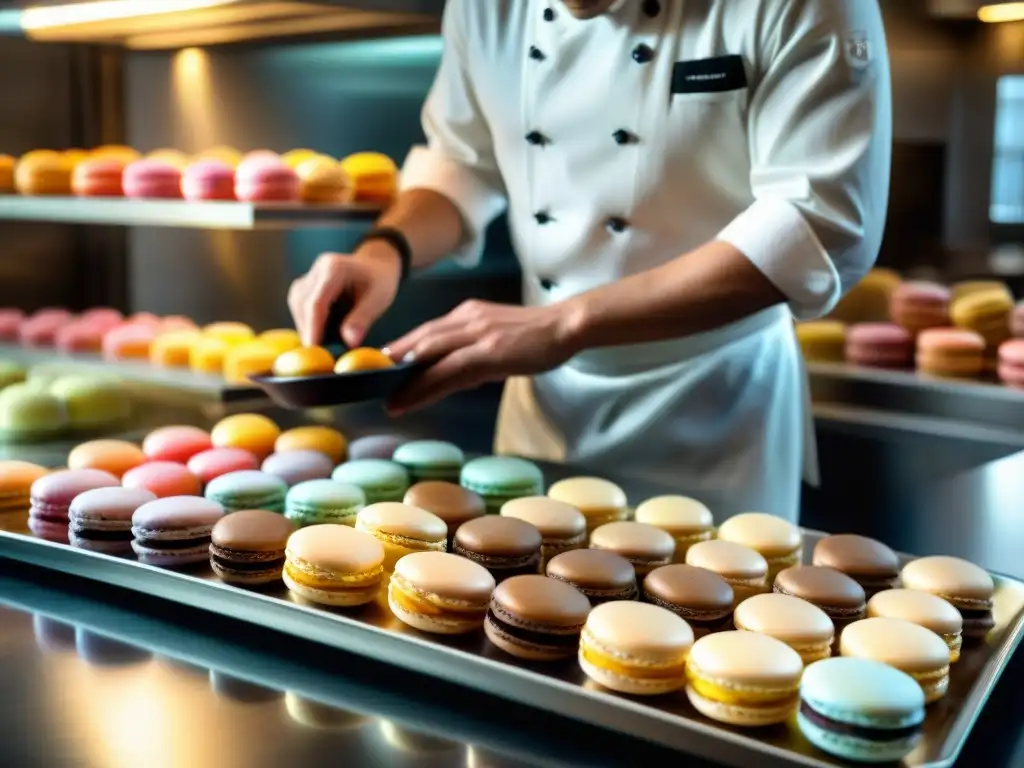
(324, 501)
(430, 460)
(248, 489)
(381, 480)
(28, 413)
(502, 478)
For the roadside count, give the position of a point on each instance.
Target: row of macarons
(60, 404)
(220, 173)
(636, 648)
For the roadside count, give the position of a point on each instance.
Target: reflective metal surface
(560, 687)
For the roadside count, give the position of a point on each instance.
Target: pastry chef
(683, 178)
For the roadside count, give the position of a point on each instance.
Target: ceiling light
(1002, 12)
(44, 17)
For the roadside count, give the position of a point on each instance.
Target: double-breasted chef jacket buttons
(536, 53)
(536, 138)
(617, 224)
(546, 283)
(543, 217)
(643, 54)
(549, 14)
(623, 137)
(651, 8)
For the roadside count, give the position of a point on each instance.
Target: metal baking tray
(560, 687)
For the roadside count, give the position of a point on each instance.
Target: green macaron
(92, 401)
(381, 480)
(502, 478)
(28, 413)
(248, 489)
(324, 501)
(430, 460)
(11, 373)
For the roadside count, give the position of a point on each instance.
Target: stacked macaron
(880, 345)
(52, 495)
(918, 306)
(822, 341)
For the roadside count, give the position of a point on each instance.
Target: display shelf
(141, 377)
(181, 213)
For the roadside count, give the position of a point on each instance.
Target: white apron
(625, 141)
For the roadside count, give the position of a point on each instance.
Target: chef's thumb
(366, 310)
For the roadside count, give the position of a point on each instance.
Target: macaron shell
(678, 515)
(402, 520)
(592, 569)
(728, 559)
(447, 576)
(638, 629)
(821, 586)
(249, 431)
(696, 589)
(948, 576)
(252, 530)
(375, 446)
(899, 643)
(60, 488)
(857, 556)
(554, 519)
(922, 608)
(336, 548)
(326, 440)
(380, 479)
(298, 466)
(771, 536)
(499, 536)
(538, 600)
(177, 512)
(863, 692)
(178, 443)
(748, 659)
(94, 508)
(786, 618)
(449, 501)
(631, 540)
(164, 478)
(114, 456)
(215, 462)
(594, 496)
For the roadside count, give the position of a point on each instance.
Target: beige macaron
(686, 520)
(910, 648)
(601, 501)
(777, 540)
(440, 593)
(744, 569)
(923, 609)
(402, 529)
(562, 526)
(644, 546)
(803, 627)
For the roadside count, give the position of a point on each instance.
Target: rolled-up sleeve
(820, 133)
(458, 160)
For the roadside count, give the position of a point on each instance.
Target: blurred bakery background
(350, 76)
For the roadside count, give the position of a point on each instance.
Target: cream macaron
(635, 648)
(562, 526)
(964, 585)
(803, 627)
(744, 569)
(923, 609)
(440, 593)
(777, 540)
(644, 546)
(402, 529)
(910, 648)
(686, 520)
(601, 501)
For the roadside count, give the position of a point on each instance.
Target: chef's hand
(480, 342)
(369, 278)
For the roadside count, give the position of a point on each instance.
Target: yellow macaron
(248, 359)
(249, 431)
(822, 341)
(325, 440)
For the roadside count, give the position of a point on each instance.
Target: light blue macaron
(248, 489)
(324, 501)
(502, 478)
(380, 479)
(861, 710)
(430, 460)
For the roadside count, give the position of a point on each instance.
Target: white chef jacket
(622, 142)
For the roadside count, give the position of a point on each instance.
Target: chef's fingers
(371, 298)
(407, 347)
(326, 281)
(297, 302)
(465, 368)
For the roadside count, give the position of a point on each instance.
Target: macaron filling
(901, 729)
(326, 514)
(307, 574)
(173, 539)
(730, 693)
(414, 600)
(708, 620)
(541, 637)
(596, 595)
(629, 666)
(498, 562)
(834, 612)
(246, 561)
(406, 542)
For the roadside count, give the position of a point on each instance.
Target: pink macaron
(129, 341)
(79, 336)
(176, 443)
(144, 318)
(265, 180)
(10, 322)
(208, 180)
(1011, 363)
(149, 178)
(919, 305)
(164, 478)
(52, 494)
(40, 330)
(177, 323)
(104, 318)
(1017, 320)
(215, 462)
(879, 345)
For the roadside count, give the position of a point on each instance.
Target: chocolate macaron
(870, 563)
(503, 545)
(534, 617)
(449, 501)
(704, 599)
(841, 598)
(645, 546)
(562, 527)
(601, 576)
(248, 546)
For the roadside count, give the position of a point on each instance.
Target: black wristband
(396, 240)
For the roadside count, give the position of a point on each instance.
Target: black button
(622, 136)
(547, 284)
(543, 217)
(549, 14)
(617, 224)
(536, 138)
(643, 53)
(536, 53)
(652, 8)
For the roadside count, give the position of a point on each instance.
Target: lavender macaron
(298, 466)
(375, 447)
(100, 520)
(175, 531)
(52, 495)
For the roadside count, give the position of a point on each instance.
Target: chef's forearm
(705, 289)
(430, 222)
